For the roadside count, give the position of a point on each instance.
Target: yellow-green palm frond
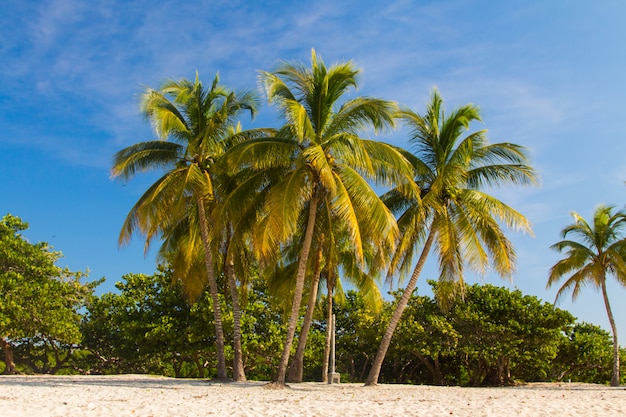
(329, 85)
(499, 165)
(412, 218)
(183, 249)
(356, 202)
(591, 251)
(448, 246)
(275, 88)
(236, 135)
(497, 209)
(390, 166)
(165, 117)
(580, 278)
(317, 88)
(145, 156)
(282, 208)
(156, 209)
(298, 120)
(349, 149)
(362, 113)
(320, 163)
(259, 154)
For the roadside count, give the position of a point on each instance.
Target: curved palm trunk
(615, 376)
(239, 373)
(297, 296)
(329, 319)
(217, 313)
(372, 378)
(297, 365)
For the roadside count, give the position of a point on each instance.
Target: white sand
(145, 396)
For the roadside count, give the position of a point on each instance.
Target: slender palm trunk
(297, 296)
(615, 376)
(217, 312)
(9, 361)
(297, 365)
(239, 373)
(372, 378)
(329, 319)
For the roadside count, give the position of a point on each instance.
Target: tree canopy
(41, 301)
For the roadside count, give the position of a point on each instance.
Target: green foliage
(148, 327)
(263, 330)
(40, 311)
(358, 332)
(585, 355)
(506, 335)
(491, 336)
(427, 344)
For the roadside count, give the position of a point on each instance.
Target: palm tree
(324, 159)
(194, 126)
(599, 249)
(453, 214)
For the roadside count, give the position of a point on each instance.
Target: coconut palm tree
(453, 215)
(194, 126)
(324, 159)
(597, 250)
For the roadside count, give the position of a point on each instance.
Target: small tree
(598, 251)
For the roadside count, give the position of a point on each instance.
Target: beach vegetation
(40, 311)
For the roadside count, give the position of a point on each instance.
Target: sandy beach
(147, 396)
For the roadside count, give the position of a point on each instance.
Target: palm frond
(145, 156)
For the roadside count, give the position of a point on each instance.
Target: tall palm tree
(323, 158)
(598, 250)
(194, 126)
(453, 214)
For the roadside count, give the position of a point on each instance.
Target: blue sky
(548, 75)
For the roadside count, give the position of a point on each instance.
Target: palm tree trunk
(615, 376)
(297, 365)
(239, 373)
(9, 361)
(372, 378)
(329, 317)
(217, 313)
(297, 296)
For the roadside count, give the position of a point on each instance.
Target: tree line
(493, 336)
(298, 205)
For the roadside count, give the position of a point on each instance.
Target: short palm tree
(323, 159)
(453, 214)
(194, 126)
(597, 250)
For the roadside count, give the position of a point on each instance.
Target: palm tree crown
(452, 171)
